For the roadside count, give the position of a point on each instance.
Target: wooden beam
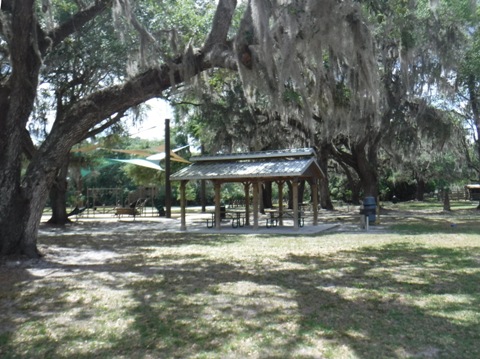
(217, 185)
(295, 203)
(314, 189)
(246, 187)
(280, 201)
(168, 188)
(255, 204)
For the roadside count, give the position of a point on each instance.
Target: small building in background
(472, 192)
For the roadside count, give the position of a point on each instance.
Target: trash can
(369, 209)
(223, 212)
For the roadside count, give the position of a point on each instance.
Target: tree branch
(111, 121)
(73, 24)
(221, 24)
(29, 148)
(77, 122)
(217, 49)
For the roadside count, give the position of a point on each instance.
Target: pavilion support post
(203, 197)
(261, 203)
(255, 204)
(314, 188)
(203, 187)
(280, 201)
(183, 205)
(295, 203)
(217, 186)
(246, 187)
(168, 186)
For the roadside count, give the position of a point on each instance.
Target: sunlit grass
(431, 205)
(410, 291)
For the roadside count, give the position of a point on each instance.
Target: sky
(153, 128)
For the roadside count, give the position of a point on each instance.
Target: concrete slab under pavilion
(252, 169)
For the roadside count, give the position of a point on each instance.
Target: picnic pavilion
(252, 169)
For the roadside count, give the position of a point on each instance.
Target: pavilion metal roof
(473, 185)
(271, 165)
(286, 153)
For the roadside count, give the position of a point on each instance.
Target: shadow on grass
(372, 301)
(398, 300)
(137, 238)
(10, 279)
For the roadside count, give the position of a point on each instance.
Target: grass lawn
(409, 290)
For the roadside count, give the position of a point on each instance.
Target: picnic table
(274, 215)
(237, 216)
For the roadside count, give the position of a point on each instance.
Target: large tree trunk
(363, 158)
(19, 227)
(368, 179)
(366, 165)
(58, 197)
(267, 195)
(353, 185)
(446, 199)
(323, 184)
(420, 191)
(17, 95)
(301, 191)
(475, 106)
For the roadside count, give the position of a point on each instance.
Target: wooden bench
(134, 209)
(127, 211)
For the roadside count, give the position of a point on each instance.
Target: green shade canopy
(140, 162)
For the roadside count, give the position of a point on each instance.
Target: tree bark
(16, 102)
(323, 157)
(290, 194)
(420, 191)
(363, 158)
(301, 191)
(475, 106)
(446, 200)
(58, 197)
(353, 185)
(366, 169)
(267, 195)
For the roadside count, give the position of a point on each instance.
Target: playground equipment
(112, 200)
(103, 200)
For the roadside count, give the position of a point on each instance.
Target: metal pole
(168, 188)
(203, 188)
